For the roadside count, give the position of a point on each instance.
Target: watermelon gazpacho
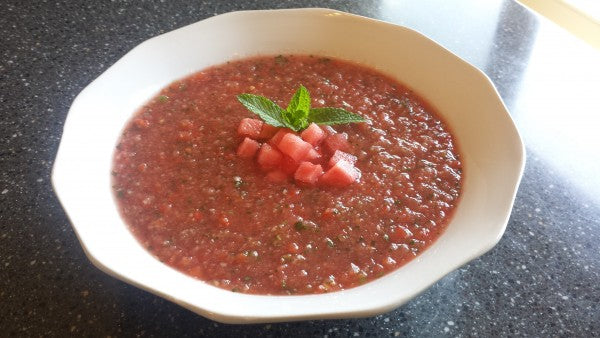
(341, 187)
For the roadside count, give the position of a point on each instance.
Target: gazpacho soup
(284, 175)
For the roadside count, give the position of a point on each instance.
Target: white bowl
(493, 154)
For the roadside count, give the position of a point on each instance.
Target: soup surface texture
(198, 207)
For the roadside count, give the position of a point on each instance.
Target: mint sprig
(329, 115)
(266, 109)
(298, 114)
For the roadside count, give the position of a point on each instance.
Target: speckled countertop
(542, 279)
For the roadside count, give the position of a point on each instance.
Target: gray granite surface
(542, 279)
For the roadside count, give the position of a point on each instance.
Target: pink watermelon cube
(341, 155)
(340, 175)
(328, 130)
(279, 135)
(308, 173)
(293, 146)
(268, 156)
(313, 134)
(288, 165)
(337, 142)
(247, 148)
(277, 176)
(312, 155)
(267, 131)
(250, 127)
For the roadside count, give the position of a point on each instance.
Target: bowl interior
(488, 140)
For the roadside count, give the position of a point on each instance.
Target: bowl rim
(58, 175)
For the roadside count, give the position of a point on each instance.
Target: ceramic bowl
(493, 153)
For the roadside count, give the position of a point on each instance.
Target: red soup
(200, 208)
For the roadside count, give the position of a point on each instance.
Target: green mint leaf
(266, 109)
(298, 114)
(333, 116)
(300, 101)
(299, 118)
(293, 122)
(297, 110)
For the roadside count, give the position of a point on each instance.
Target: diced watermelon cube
(337, 142)
(340, 175)
(250, 127)
(279, 135)
(268, 156)
(288, 165)
(308, 173)
(267, 131)
(277, 176)
(312, 155)
(313, 134)
(247, 148)
(328, 130)
(341, 155)
(293, 146)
